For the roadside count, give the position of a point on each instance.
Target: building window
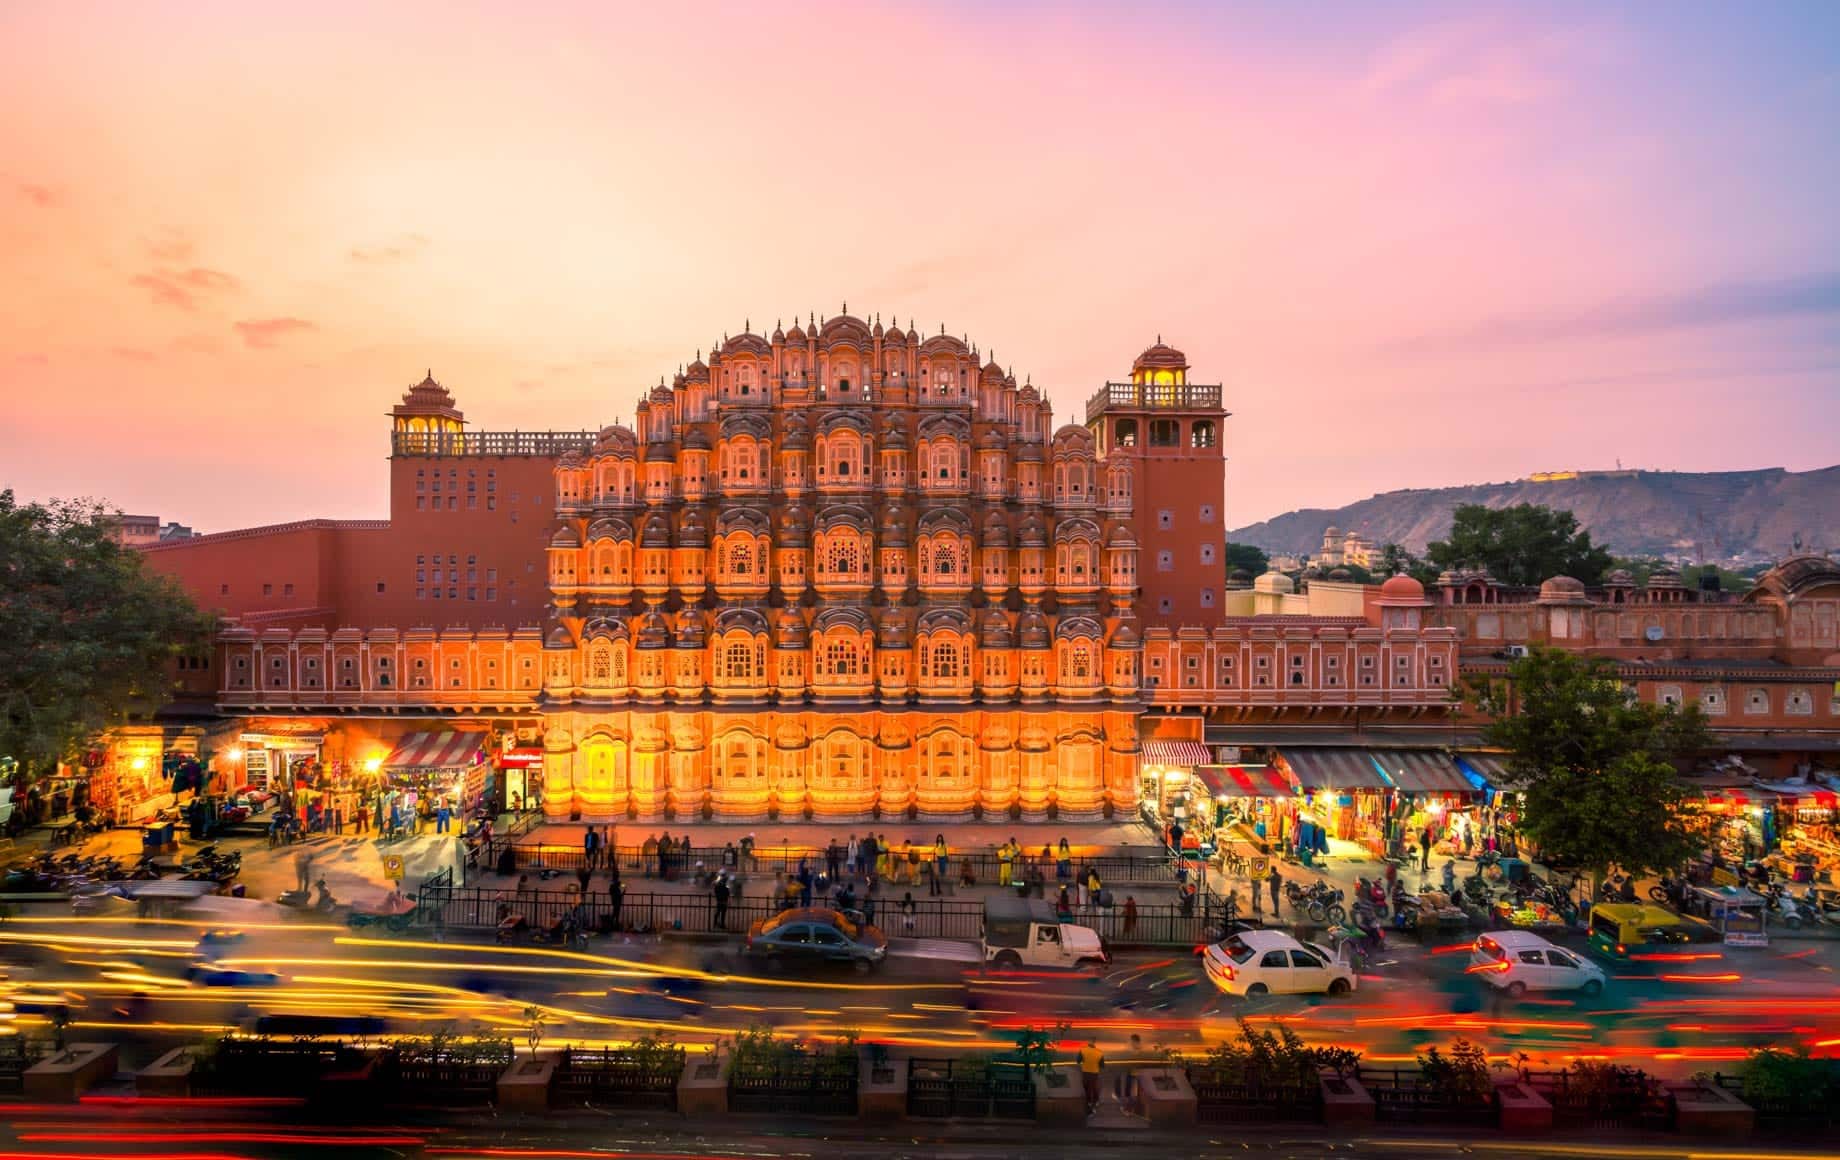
(223, 589)
(1712, 701)
(268, 589)
(1799, 703)
(1165, 604)
(1207, 553)
(1757, 701)
(380, 586)
(1201, 433)
(1207, 598)
(491, 594)
(1165, 433)
(1669, 695)
(1165, 561)
(1165, 519)
(1206, 514)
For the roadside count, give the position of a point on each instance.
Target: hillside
(1633, 513)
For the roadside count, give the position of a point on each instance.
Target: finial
(1159, 339)
(846, 307)
(747, 325)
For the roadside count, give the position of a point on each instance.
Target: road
(126, 978)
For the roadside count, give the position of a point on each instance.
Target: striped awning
(1423, 771)
(1484, 770)
(1333, 769)
(437, 750)
(1176, 753)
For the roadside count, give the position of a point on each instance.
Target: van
(1026, 932)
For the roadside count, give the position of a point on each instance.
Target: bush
(1462, 1077)
(757, 1051)
(1264, 1059)
(1795, 1078)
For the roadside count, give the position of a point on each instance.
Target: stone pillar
(558, 775)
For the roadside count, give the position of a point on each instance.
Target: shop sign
(520, 759)
(393, 867)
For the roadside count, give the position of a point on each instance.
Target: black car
(815, 937)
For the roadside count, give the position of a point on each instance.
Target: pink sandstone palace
(846, 571)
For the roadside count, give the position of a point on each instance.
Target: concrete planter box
(63, 1076)
(1524, 1112)
(1061, 1103)
(881, 1092)
(702, 1090)
(1168, 1098)
(1710, 1110)
(169, 1076)
(525, 1085)
(1345, 1101)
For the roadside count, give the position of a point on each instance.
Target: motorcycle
(1781, 905)
(1669, 891)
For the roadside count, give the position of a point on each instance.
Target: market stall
(1810, 845)
(519, 785)
(1736, 913)
(428, 768)
(1345, 800)
(1245, 812)
(1430, 793)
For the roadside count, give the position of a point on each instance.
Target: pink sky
(1426, 247)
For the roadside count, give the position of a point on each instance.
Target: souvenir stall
(1346, 806)
(1245, 812)
(426, 769)
(1737, 825)
(1810, 844)
(1168, 779)
(275, 762)
(520, 778)
(1429, 792)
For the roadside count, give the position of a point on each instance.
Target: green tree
(1396, 559)
(1253, 560)
(89, 631)
(1523, 544)
(1596, 765)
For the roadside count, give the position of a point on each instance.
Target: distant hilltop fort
(1561, 476)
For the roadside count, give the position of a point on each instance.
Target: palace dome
(1274, 583)
(1402, 587)
(1160, 356)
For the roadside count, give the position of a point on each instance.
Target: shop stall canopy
(1334, 769)
(437, 750)
(1188, 753)
(1422, 771)
(1235, 781)
(1484, 771)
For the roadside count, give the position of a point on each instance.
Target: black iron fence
(1401, 1095)
(621, 1079)
(1222, 1099)
(17, 1053)
(1152, 865)
(806, 1087)
(969, 1088)
(1808, 1108)
(1602, 1097)
(467, 1075)
(275, 1067)
(476, 908)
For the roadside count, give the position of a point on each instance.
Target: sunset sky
(1420, 244)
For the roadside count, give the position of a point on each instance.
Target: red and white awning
(437, 750)
(1190, 753)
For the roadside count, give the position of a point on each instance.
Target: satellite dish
(1653, 632)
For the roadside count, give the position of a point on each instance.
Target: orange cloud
(184, 288)
(42, 196)
(263, 333)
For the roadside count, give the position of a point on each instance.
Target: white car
(1518, 961)
(1269, 962)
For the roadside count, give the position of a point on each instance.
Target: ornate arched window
(600, 664)
(943, 455)
(842, 658)
(940, 661)
(843, 556)
(740, 557)
(742, 661)
(945, 557)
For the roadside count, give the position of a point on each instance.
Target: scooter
(1782, 904)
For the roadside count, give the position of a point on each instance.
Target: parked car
(1518, 961)
(815, 937)
(1269, 962)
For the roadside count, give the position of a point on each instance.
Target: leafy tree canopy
(1396, 559)
(89, 631)
(1596, 764)
(1523, 544)
(1253, 560)
(1640, 569)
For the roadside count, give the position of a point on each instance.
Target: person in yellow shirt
(1006, 855)
(1092, 1061)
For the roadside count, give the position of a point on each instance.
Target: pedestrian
(913, 864)
(303, 870)
(907, 912)
(582, 875)
(1094, 888)
(747, 855)
(866, 856)
(1124, 1084)
(1188, 899)
(616, 897)
(1230, 908)
(588, 837)
(1063, 864)
(1424, 850)
(967, 874)
(442, 817)
(1092, 1061)
(833, 859)
(852, 855)
(721, 894)
(1258, 904)
(1063, 906)
(868, 906)
(940, 864)
(1006, 856)
(804, 880)
(1274, 882)
(661, 855)
(1130, 913)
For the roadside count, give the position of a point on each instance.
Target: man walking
(721, 893)
(588, 839)
(833, 859)
(1274, 882)
(303, 870)
(442, 816)
(1424, 850)
(853, 855)
(1092, 1061)
(616, 895)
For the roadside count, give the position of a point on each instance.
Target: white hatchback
(1518, 961)
(1270, 962)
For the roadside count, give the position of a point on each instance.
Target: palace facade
(844, 571)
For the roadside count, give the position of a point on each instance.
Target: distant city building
(1340, 549)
